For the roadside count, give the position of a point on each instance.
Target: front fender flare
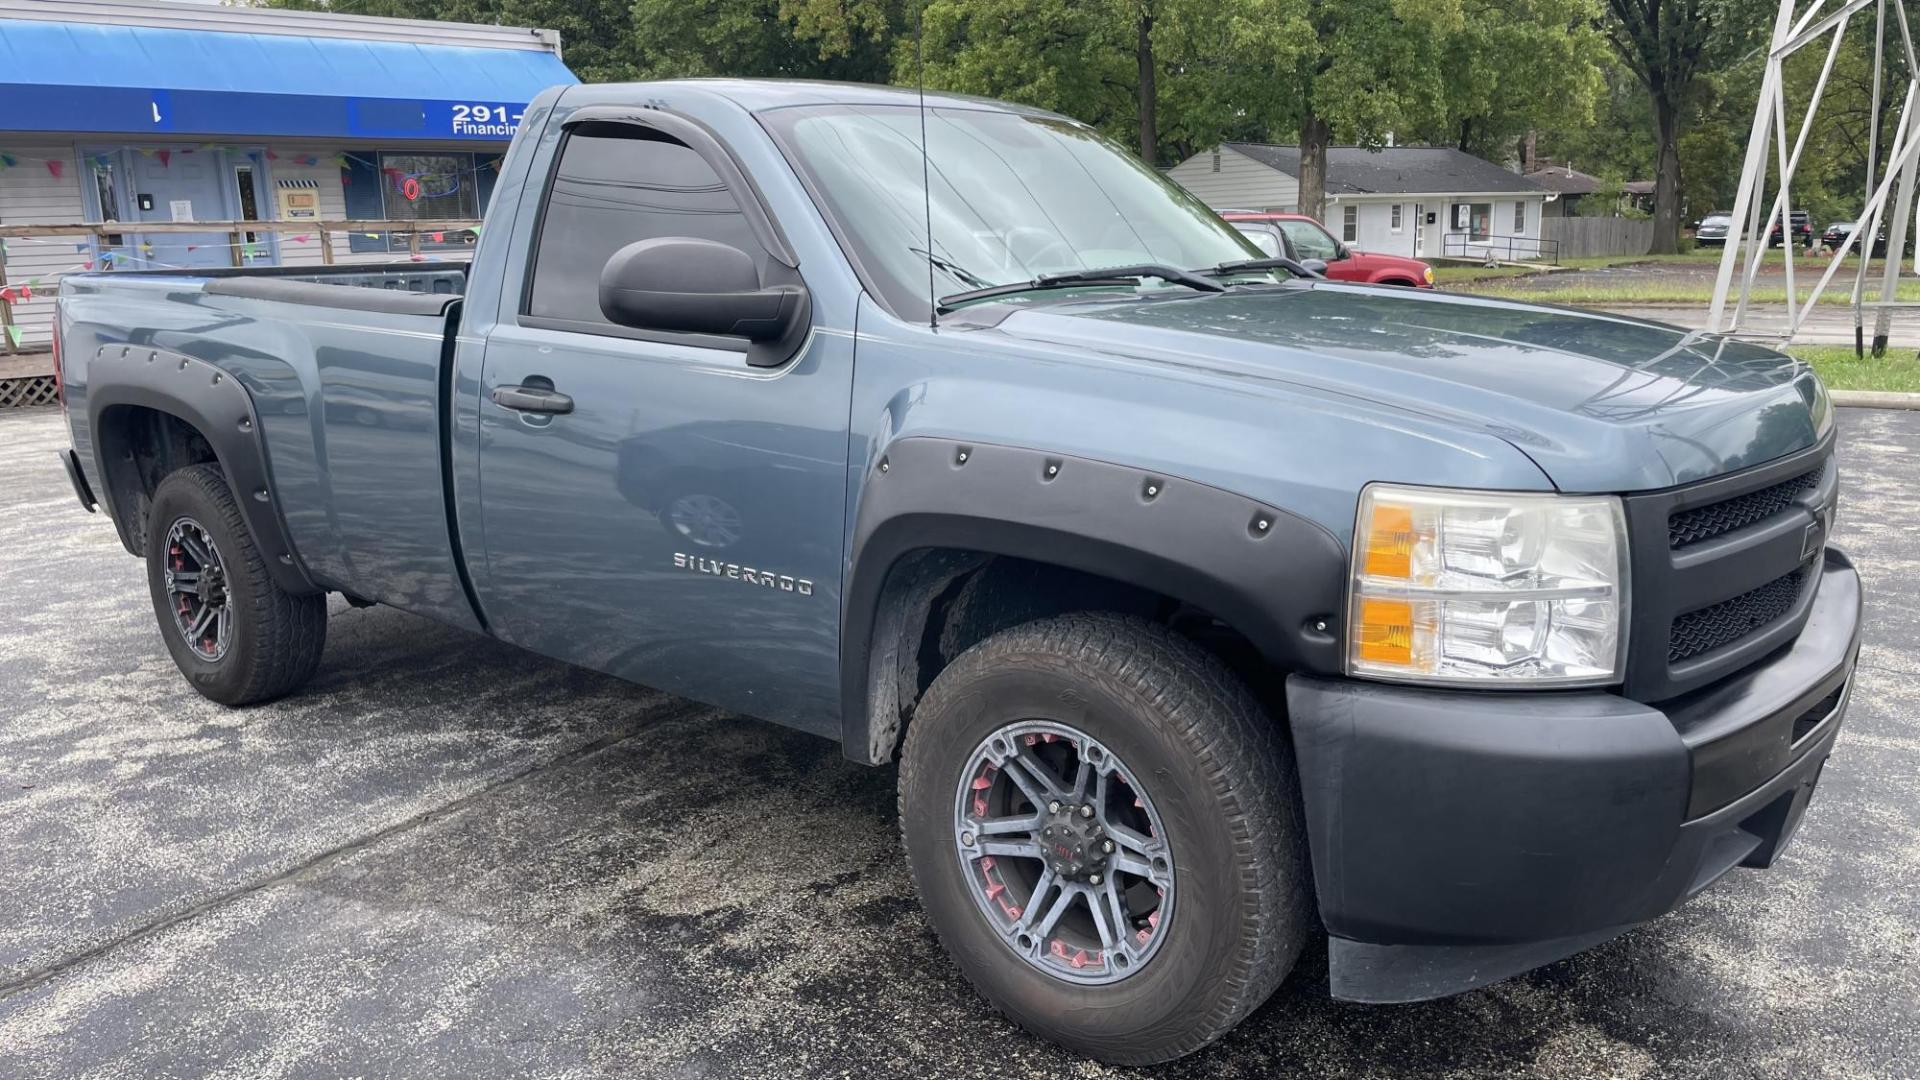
(220, 408)
(1274, 576)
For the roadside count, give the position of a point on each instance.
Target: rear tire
(1215, 774)
(257, 641)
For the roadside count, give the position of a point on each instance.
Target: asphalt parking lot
(449, 858)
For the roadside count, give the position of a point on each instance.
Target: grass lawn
(1523, 283)
(1899, 370)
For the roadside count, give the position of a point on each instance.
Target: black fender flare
(1275, 576)
(216, 404)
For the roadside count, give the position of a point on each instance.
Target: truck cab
(1204, 604)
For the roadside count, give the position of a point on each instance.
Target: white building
(132, 111)
(1422, 201)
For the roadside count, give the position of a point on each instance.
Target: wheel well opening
(139, 447)
(946, 601)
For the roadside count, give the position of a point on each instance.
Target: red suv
(1299, 237)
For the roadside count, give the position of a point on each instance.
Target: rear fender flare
(1276, 577)
(220, 408)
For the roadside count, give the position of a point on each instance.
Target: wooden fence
(1582, 237)
(244, 239)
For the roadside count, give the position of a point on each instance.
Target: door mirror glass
(687, 285)
(1315, 266)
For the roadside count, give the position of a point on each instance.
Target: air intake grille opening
(1728, 621)
(1717, 519)
(1804, 724)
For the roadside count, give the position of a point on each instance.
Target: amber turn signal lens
(1386, 631)
(1390, 541)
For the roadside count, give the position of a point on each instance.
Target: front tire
(1177, 823)
(233, 632)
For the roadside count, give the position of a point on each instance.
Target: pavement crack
(324, 859)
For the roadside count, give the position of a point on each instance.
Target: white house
(1423, 201)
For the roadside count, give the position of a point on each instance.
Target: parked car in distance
(1802, 224)
(1301, 238)
(1206, 605)
(1836, 233)
(1712, 230)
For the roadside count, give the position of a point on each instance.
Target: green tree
(1167, 76)
(1667, 44)
(1515, 66)
(1370, 68)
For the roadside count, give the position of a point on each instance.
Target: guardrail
(1506, 248)
(114, 245)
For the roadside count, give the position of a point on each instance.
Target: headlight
(1488, 587)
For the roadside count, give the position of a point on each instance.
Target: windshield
(1014, 197)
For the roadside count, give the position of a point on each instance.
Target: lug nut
(1095, 879)
(1106, 846)
(1086, 811)
(1053, 807)
(966, 838)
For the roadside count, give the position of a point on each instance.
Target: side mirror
(693, 286)
(1315, 266)
(1341, 251)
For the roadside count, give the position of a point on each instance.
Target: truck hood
(1599, 402)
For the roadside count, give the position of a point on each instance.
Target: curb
(1874, 399)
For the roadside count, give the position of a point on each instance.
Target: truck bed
(346, 370)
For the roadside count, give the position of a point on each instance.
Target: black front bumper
(1459, 838)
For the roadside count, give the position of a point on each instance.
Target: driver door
(653, 505)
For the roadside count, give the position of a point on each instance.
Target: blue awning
(77, 77)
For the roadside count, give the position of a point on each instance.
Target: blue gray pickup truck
(1205, 605)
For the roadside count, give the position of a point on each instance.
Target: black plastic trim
(221, 409)
(1669, 582)
(71, 462)
(443, 407)
(1280, 585)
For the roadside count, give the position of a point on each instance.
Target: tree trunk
(1149, 93)
(1666, 178)
(1314, 136)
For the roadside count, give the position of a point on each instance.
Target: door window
(1310, 241)
(617, 184)
(106, 189)
(249, 205)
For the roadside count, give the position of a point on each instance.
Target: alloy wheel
(1063, 852)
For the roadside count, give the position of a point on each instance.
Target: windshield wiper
(1110, 275)
(953, 268)
(1243, 266)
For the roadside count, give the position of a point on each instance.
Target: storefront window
(429, 187)
(407, 185)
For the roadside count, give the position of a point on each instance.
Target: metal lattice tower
(1792, 32)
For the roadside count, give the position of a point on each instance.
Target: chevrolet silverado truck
(1205, 604)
